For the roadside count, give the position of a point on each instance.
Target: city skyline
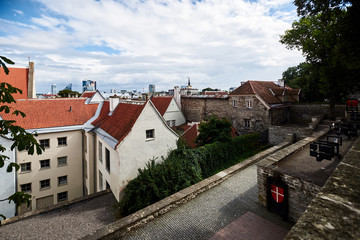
(217, 44)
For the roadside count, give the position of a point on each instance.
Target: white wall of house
(73, 169)
(174, 113)
(7, 181)
(136, 150)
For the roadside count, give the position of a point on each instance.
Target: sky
(129, 44)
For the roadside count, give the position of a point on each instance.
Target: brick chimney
(31, 82)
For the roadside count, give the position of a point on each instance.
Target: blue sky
(217, 43)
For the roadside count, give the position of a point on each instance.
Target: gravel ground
(68, 223)
(209, 212)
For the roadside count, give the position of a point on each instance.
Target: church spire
(189, 85)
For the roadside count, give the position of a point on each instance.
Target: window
(107, 159)
(62, 161)
(26, 187)
(100, 181)
(150, 134)
(45, 163)
(45, 184)
(100, 151)
(25, 167)
(249, 103)
(171, 123)
(234, 103)
(62, 180)
(247, 122)
(45, 143)
(63, 196)
(62, 141)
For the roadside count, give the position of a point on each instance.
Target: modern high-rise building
(53, 89)
(89, 85)
(151, 88)
(69, 87)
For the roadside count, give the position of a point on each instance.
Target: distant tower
(53, 89)
(69, 87)
(189, 85)
(112, 90)
(151, 88)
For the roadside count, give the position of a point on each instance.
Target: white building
(170, 110)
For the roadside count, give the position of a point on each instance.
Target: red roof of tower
(17, 77)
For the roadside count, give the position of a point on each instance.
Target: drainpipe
(83, 160)
(16, 180)
(94, 159)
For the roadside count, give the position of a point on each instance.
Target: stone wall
(302, 112)
(197, 108)
(300, 191)
(335, 212)
(278, 134)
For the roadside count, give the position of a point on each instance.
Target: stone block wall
(278, 134)
(302, 112)
(300, 192)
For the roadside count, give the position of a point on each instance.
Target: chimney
(114, 101)
(281, 82)
(177, 96)
(31, 82)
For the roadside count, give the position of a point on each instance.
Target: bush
(183, 168)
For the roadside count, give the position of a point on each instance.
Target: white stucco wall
(73, 170)
(7, 181)
(174, 113)
(135, 150)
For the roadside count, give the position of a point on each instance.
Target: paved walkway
(68, 223)
(211, 211)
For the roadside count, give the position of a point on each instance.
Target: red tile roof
(267, 90)
(45, 113)
(88, 94)
(121, 121)
(161, 103)
(17, 77)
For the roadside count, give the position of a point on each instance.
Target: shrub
(183, 168)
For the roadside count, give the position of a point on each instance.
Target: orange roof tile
(161, 103)
(17, 77)
(121, 121)
(266, 90)
(88, 94)
(45, 113)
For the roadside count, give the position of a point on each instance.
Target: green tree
(21, 140)
(214, 130)
(67, 93)
(304, 77)
(210, 89)
(328, 37)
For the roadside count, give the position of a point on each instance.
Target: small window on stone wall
(247, 123)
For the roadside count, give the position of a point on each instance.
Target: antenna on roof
(70, 109)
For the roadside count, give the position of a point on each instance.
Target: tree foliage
(21, 140)
(210, 89)
(67, 93)
(214, 130)
(328, 37)
(183, 168)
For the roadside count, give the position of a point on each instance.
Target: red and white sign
(277, 193)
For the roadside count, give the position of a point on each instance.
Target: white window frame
(24, 167)
(62, 164)
(234, 103)
(42, 182)
(249, 103)
(62, 141)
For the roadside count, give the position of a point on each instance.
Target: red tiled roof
(44, 113)
(121, 121)
(190, 135)
(17, 77)
(266, 90)
(88, 94)
(161, 103)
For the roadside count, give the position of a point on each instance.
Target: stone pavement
(211, 211)
(70, 222)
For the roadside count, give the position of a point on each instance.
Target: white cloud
(217, 43)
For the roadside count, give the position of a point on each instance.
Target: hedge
(183, 168)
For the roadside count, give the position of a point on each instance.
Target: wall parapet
(133, 221)
(335, 212)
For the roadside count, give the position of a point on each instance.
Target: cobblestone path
(211, 211)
